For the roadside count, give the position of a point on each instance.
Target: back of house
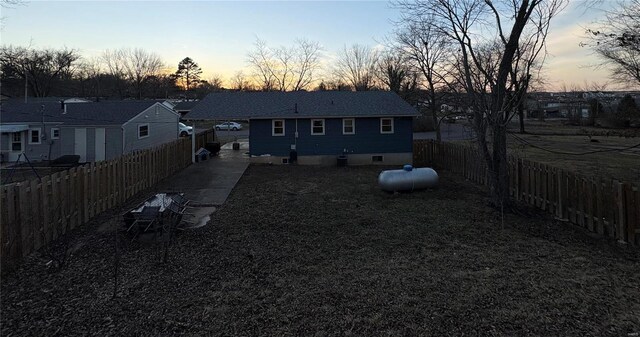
(373, 127)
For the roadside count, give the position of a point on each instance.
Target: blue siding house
(373, 127)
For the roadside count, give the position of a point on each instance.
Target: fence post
(560, 207)
(12, 244)
(630, 212)
(621, 229)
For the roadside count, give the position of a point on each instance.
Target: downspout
(295, 141)
(295, 135)
(123, 147)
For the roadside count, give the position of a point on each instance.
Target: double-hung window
(317, 127)
(348, 126)
(143, 131)
(386, 125)
(34, 136)
(277, 127)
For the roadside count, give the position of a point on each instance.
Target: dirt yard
(321, 251)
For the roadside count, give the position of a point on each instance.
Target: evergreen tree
(188, 74)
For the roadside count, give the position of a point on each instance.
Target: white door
(17, 145)
(80, 144)
(100, 144)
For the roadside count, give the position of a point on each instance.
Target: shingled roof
(97, 113)
(300, 104)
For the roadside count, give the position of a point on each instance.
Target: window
(55, 133)
(377, 159)
(143, 131)
(34, 136)
(348, 126)
(317, 127)
(16, 141)
(277, 127)
(386, 125)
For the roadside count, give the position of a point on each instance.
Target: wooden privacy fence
(604, 206)
(204, 137)
(38, 211)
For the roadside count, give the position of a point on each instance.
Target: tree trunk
(499, 174)
(434, 112)
(521, 116)
(436, 125)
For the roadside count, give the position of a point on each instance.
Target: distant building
(95, 131)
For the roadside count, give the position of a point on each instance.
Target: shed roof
(96, 113)
(300, 104)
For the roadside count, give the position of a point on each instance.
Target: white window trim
(323, 127)
(392, 125)
(353, 125)
(52, 135)
(31, 136)
(273, 128)
(148, 130)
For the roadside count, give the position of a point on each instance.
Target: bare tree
(88, 76)
(131, 69)
(114, 61)
(306, 56)
(616, 40)
(239, 82)
(513, 40)
(139, 66)
(393, 70)
(43, 69)
(285, 69)
(357, 66)
(216, 82)
(261, 61)
(162, 85)
(428, 52)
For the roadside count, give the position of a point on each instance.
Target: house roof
(96, 113)
(49, 99)
(265, 105)
(185, 105)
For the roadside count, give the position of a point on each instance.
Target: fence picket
(608, 208)
(37, 212)
(620, 213)
(630, 212)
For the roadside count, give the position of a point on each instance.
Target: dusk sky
(218, 35)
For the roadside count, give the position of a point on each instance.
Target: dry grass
(321, 251)
(565, 151)
(620, 165)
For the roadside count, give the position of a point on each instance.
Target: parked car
(185, 130)
(229, 126)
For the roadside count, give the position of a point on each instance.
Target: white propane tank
(407, 179)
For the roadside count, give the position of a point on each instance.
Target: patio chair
(183, 204)
(180, 200)
(148, 217)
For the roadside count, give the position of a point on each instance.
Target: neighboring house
(373, 127)
(183, 107)
(94, 131)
